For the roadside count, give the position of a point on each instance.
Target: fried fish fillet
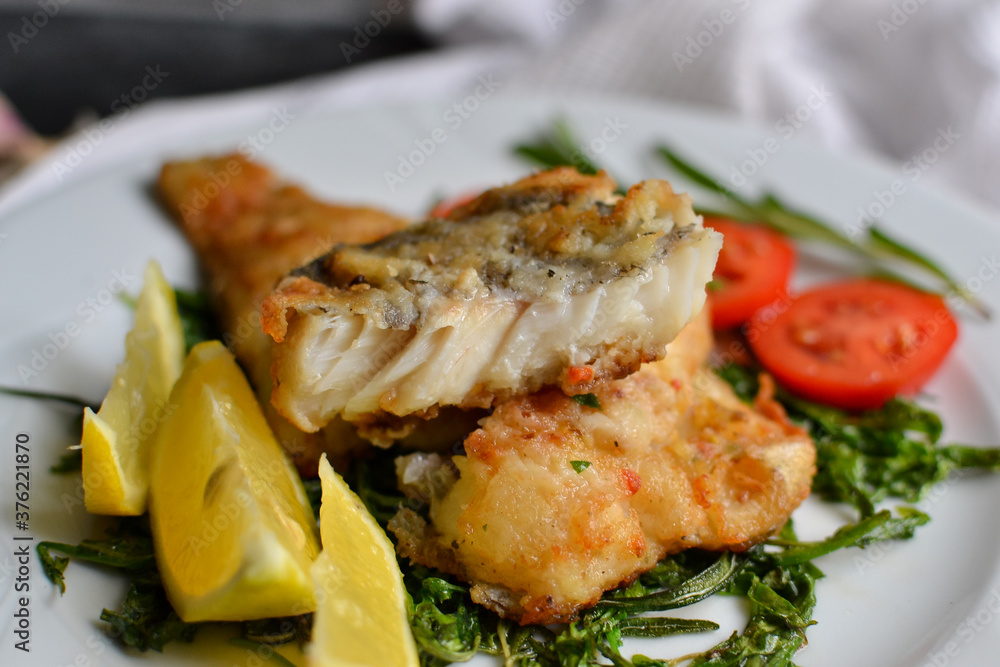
(248, 230)
(503, 297)
(554, 503)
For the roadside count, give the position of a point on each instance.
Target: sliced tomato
(752, 271)
(855, 344)
(444, 207)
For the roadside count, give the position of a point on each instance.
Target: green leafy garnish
(278, 630)
(197, 318)
(878, 527)
(127, 549)
(145, 619)
(261, 652)
(558, 148)
(579, 466)
(694, 588)
(588, 401)
(865, 458)
(70, 461)
(73, 401)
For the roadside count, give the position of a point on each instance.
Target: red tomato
(444, 207)
(752, 271)
(857, 343)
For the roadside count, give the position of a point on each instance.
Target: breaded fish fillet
(554, 503)
(248, 230)
(500, 299)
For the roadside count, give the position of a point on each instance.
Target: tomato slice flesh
(857, 343)
(753, 271)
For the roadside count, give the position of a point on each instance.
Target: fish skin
(501, 298)
(674, 460)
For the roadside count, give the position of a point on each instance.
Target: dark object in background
(83, 62)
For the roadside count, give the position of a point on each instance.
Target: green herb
(557, 148)
(374, 480)
(874, 245)
(145, 619)
(262, 651)
(74, 401)
(878, 527)
(70, 461)
(127, 549)
(588, 401)
(314, 492)
(197, 317)
(444, 619)
(579, 466)
(275, 631)
(862, 459)
(693, 588)
(128, 300)
(715, 284)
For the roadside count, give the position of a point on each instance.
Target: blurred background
(888, 77)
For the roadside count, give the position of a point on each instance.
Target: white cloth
(898, 73)
(889, 77)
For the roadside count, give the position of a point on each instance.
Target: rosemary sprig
(557, 148)
(72, 401)
(875, 246)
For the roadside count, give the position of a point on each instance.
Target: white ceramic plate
(931, 601)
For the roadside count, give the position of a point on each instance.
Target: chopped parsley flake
(588, 401)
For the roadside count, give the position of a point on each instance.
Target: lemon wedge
(116, 439)
(361, 618)
(233, 531)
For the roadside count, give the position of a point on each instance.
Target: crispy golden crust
(254, 229)
(673, 460)
(498, 300)
(248, 230)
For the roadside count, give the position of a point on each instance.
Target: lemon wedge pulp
(233, 531)
(116, 439)
(361, 618)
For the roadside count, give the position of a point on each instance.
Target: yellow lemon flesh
(361, 618)
(117, 439)
(232, 528)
